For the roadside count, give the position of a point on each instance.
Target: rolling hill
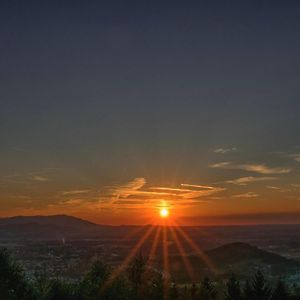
(48, 227)
(239, 258)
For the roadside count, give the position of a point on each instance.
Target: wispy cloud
(295, 156)
(74, 192)
(249, 179)
(225, 150)
(128, 188)
(40, 178)
(296, 185)
(198, 186)
(256, 168)
(271, 187)
(246, 195)
(136, 192)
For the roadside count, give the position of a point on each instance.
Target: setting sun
(164, 212)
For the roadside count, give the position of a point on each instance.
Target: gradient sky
(111, 109)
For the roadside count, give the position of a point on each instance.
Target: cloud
(136, 193)
(72, 202)
(249, 179)
(256, 168)
(129, 188)
(246, 195)
(40, 178)
(74, 192)
(296, 185)
(225, 150)
(295, 156)
(222, 165)
(274, 188)
(198, 186)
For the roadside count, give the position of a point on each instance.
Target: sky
(110, 110)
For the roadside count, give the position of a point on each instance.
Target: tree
(233, 290)
(207, 290)
(260, 288)
(281, 291)
(13, 283)
(58, 290)
(247, 292)
(136, 275)
(91, 285)
(193, 291)
(155, 286)
(174, 294)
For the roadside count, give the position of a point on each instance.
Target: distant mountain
(58, 220)
(48, 227)
(242, 255)
(240, 258)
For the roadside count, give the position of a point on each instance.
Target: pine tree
(233, 290)
(281, 291)
(155, 288)
(261, 290)
(137, 274)
(207, 291)
(94, 280)
(247, 291)
(174, 294)
(193, 291)
(13, 283)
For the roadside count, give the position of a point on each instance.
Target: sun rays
(164, 236)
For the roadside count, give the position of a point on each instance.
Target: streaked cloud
(295, 156)
(225, 150)
(198, 186)
(256, 168)
(74, 192)
(271, 187)
(40, 178)
(246, 195)
(136, 192)
(128, 188)
(249, 179)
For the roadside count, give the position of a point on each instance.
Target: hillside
(47, 227)
(241, 258)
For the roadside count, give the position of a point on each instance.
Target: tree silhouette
(155, 287)
(207, 290)
(94, 280)
(193, 291)
(13, 283)
(136, 274)
(58, 290)
(280, 292)
(174, 294)
(247, 292)
(233, 290)
(139, 282)
(260, 288)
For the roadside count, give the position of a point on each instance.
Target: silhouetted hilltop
(58, 220)
(236, 253)
(48, 227)
(240, 258)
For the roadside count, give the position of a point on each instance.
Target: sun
(164, 212)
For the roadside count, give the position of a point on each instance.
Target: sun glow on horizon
(164, 213)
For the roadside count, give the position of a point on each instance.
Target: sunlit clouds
(218, 188)
(138, 193)
(247, 195)
(250, 179)
(256, 168)
(225, 150)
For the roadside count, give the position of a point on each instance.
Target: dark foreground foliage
(137, 282)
